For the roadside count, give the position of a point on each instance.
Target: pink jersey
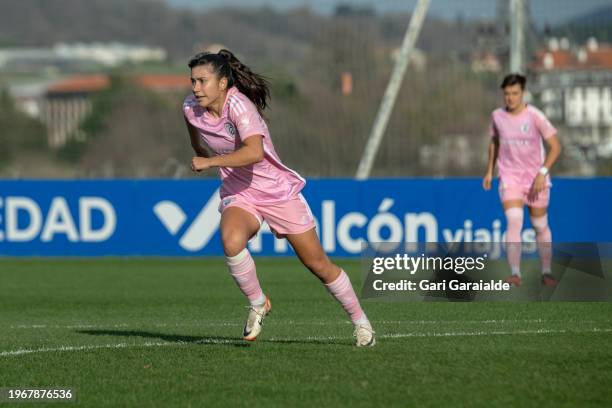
(521, 151)
(268, 181)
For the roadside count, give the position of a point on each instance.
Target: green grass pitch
(167, 332)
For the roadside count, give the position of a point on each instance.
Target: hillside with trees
(443, 106)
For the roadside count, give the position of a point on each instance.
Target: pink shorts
(292, 216)
(513, 192)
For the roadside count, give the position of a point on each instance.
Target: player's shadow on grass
(172, 338)
(206, 340)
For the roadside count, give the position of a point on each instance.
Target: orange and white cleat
(254, 322)
(514, 280)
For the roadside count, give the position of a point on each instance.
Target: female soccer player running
(516, 145)
(227, 131)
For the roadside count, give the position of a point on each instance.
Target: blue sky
(543, 11)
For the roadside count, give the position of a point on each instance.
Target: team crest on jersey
(230, 128)
(525, 127)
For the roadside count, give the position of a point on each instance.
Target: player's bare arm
(196, 142)
(251, 152)
(493, 150)
(554, 151)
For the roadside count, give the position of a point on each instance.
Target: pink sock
(514, 220)
(242, 268)
(343, 291)
(544, 239)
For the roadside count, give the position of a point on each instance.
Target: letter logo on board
(200, 231)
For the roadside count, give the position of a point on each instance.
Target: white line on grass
(494, 333)
(19, 352)
(457, 334)
(118, 325)
(280, 322)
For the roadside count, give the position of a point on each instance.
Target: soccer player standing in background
(227, 131)
(523, 166)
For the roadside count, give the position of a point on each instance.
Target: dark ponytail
(225, 64)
